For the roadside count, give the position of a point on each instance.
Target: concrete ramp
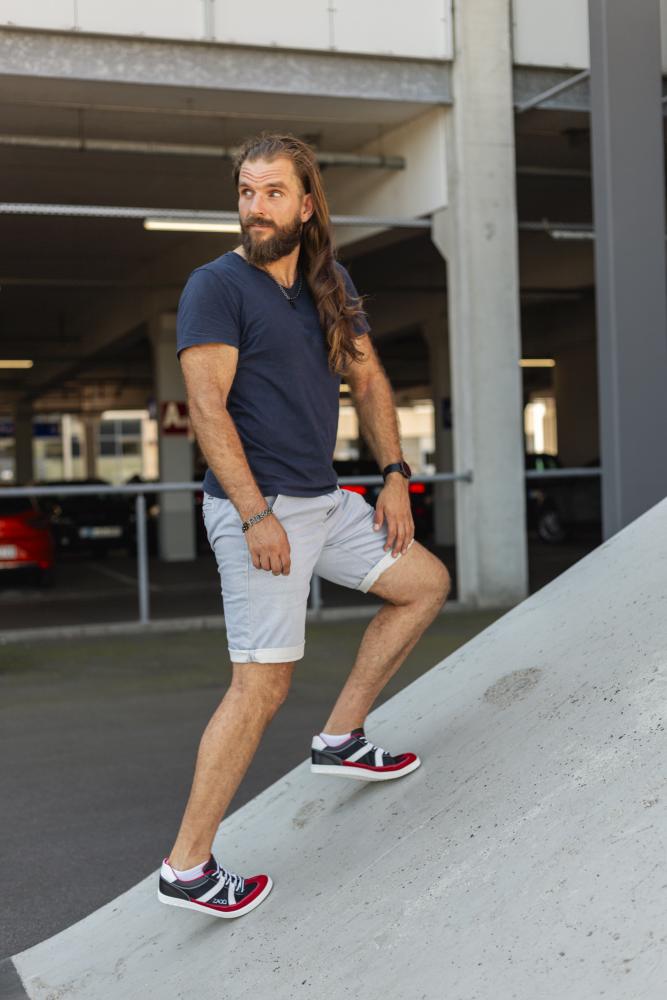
(525, 860)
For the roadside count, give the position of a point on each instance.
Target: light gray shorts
(331, 535)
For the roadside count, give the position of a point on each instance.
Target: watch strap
(394, 467)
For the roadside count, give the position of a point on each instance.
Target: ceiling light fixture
(190, 226)
(16, 364)
(537, 363)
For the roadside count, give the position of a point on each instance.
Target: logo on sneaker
(221, 901)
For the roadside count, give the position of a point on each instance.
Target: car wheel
(550, 527)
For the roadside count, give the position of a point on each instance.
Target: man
(264, 333)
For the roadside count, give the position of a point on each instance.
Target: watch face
(407, 471)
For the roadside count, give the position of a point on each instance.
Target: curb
(202, 623)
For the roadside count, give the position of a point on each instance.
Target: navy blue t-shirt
(284, 401)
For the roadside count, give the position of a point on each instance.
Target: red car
(25, 538)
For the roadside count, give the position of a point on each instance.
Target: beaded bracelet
(255, 518)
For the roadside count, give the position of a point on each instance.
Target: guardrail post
(315, 593)
(142, 559)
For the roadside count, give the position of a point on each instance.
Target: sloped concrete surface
(525, 859)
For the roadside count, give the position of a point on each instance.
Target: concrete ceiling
(58, 275)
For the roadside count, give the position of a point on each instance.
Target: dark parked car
(153, 517)
(26, 542)
(557, 506)
(92, 522)
(421, 494)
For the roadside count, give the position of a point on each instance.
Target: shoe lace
(237, 882)
(372, 746)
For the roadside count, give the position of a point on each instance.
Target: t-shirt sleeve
(209, 311)
(361, 324)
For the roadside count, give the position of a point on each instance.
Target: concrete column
(23, 456)
(91, 425)
(435, 331)
(66, 443)
(176, 531)
(629, 209)
(477, 235)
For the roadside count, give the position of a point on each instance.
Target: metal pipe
(569, 172)
(138, 488)
(181, 149)
(574, 473)
(315, 593)
(132, 489)
(142, 559)
(131, 212)
(538, 99)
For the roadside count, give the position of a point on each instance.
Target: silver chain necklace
(290, 298)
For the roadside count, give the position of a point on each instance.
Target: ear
(307, 207)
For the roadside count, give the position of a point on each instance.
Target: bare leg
(226, 749)
(415, 588)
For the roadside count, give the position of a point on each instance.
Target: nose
(257, 205)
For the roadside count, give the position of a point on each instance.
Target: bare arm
(209, 370)
(378, 422)
(374, 402)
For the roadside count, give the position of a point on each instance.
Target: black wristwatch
(401, 467)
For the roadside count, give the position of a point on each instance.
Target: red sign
(174, 418)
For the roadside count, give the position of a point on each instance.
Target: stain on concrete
(306, 813)
(512, 687)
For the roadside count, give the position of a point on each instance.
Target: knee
(439, 584)
(273, 698)
(264, 693)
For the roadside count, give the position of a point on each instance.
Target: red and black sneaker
(360, 759)
(217, 892)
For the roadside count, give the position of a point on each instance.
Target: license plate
(101, 531)
(8, 552)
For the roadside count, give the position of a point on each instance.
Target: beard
(261, 250)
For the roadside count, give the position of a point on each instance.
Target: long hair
(336, 309)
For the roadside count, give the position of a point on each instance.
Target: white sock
(335, 741)
(191, 873)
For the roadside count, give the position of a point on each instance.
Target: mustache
(251, 221)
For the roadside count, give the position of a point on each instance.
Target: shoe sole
(358, 774)
(199, 908)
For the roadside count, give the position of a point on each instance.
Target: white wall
(418, 190)
(555, 33)
(546, 32)
(421, 28)
(551, 33)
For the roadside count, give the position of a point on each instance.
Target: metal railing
(139, 491)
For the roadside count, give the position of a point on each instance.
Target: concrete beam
(529, 82)
(222, 67)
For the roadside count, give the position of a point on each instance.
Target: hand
(393, 505)
(269, 546)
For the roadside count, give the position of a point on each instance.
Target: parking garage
(116, 184)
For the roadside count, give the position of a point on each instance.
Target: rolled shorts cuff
(379, 568)
(276, 654)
